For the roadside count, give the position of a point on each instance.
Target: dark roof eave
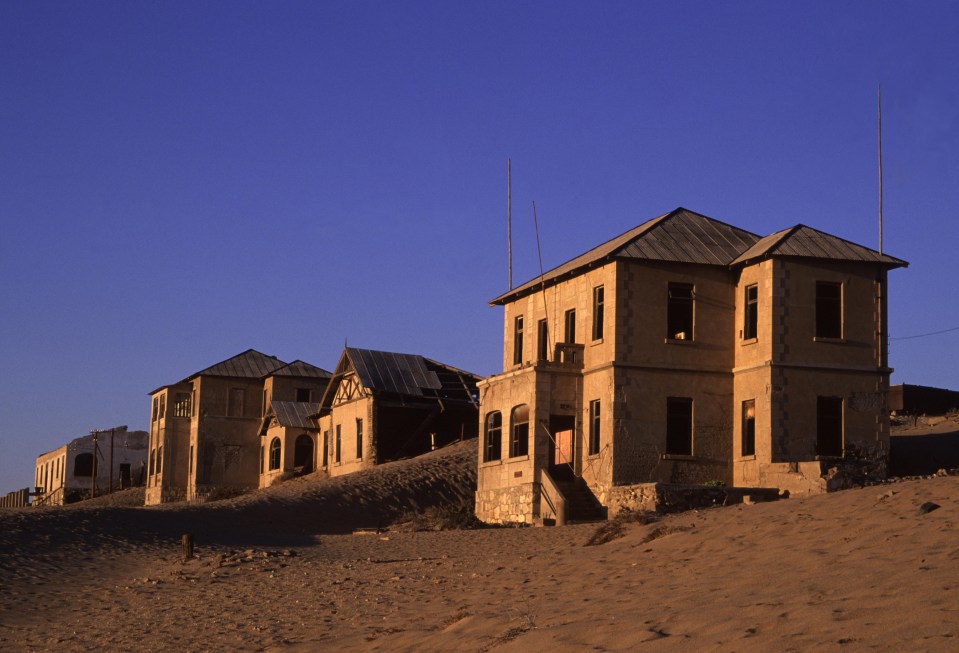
(890, 263)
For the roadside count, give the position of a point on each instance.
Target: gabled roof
(250, 364)
(806, 242)
(681, 236)
(295, 414)
(404, 375)
(301, 369)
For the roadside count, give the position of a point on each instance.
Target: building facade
(382, 406)
(205, 429)
(685, 351)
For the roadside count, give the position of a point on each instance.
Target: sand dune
(278, 571)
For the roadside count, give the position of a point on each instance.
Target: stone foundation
(517, 504)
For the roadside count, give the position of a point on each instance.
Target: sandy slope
(861, 569)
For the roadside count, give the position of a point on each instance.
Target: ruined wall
(516, 504)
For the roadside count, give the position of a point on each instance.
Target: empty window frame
(679, 311)
(181, 404)
(326, 447)
(304, 394)
(262, 457)
(679, 426)
(542, 340)
(190, 463)
(266, 403)
(275, 447)
(828, 309)
(493, 436)
(359, 439)
(748, 447)
(594, 423)
(336, 445)
(151, 468)
(519, 431)
(83, 465)
(156, 409)
(162, 412)
(751, 312)
(159, 459)
(234, 407)
(518, 340)
(569, 326)
(598, 301)
(829, 426)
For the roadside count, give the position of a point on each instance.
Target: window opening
(598, 301)
(569, 326)
(304, 394)
(679, 312)
(359, 439)
(275, 454)
(336, 453)
(679, 426)
(83, 465)
(829, 426)
(518, 340)
(519, 430)
(749, 428)
(828, 309)
(751, 313)
(494, 436)
(181, 404)
(594, 422)
(542, 340)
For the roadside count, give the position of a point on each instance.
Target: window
(598, 312)
(749, 428)
(519, 431)
(518, 340)
(326, 448)
(679, 312)
(594, 427)
(190, 463)
(193, 405)
(275, 454)
(266, 403)
(262, 456)
(542, 340)
(303, 453)
(156, 409)
(569, 325)
(336, 451)
(828, 309)
(83, 465)
(162, 407)
(494, 437)
(234, 407)
(679, 426)
(181, 404)
(829, 426)
(751, 313)
(152, 468)
(359, 439)
(304, 394)
(159, 459)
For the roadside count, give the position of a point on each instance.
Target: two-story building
(205, 429)
(685, 351)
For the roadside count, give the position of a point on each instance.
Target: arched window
(519, 431)
(303, 453)
(493, 438)
(275, 454)
(83, 465)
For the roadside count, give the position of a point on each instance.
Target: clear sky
(181, 181)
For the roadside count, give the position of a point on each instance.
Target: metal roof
(806, 242)
(681, 236)
(250, 364)
(301, 369)
(295, 413)
(405, 375)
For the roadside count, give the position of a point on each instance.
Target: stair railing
(553, 497)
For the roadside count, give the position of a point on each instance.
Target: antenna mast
(509, 219)
(879, 103)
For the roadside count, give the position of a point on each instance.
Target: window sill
(678, 456)
(491, 463)
(749, 341)
(742, 459)
(675, 341)
(597, 341)
(836, 341)
(517, 459)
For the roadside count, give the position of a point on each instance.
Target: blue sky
(181, 181)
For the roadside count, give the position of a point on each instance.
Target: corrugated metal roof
(295, 414)
(681, 236)
(405, 375)
(806, 242)
(250, 364)
(301, 369)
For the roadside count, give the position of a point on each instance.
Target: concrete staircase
(581, 504)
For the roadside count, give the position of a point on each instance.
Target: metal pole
(509, 219)
(111, 461)
(879, 103)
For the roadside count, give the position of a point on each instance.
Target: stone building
(205, 429)
(83, 465)
(382, 406)
(288, 440)
(685, 351)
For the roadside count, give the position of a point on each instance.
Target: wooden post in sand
(187, 546)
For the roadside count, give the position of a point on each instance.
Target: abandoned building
(288, 440)
(205, 429)
(685, 351)
(382, 406)
(97, 463)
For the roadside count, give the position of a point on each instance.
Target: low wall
(516, 504)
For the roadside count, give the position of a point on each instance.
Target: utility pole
(111, 460)
(879, 103)
(93, 478)
(509, 219)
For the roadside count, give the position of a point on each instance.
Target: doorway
(562, 445)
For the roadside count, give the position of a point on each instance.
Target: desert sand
(281, 571)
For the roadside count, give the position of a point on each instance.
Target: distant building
(204, 430)
(382, 406)
(685, 351)
(66, 474)
(908, 399)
